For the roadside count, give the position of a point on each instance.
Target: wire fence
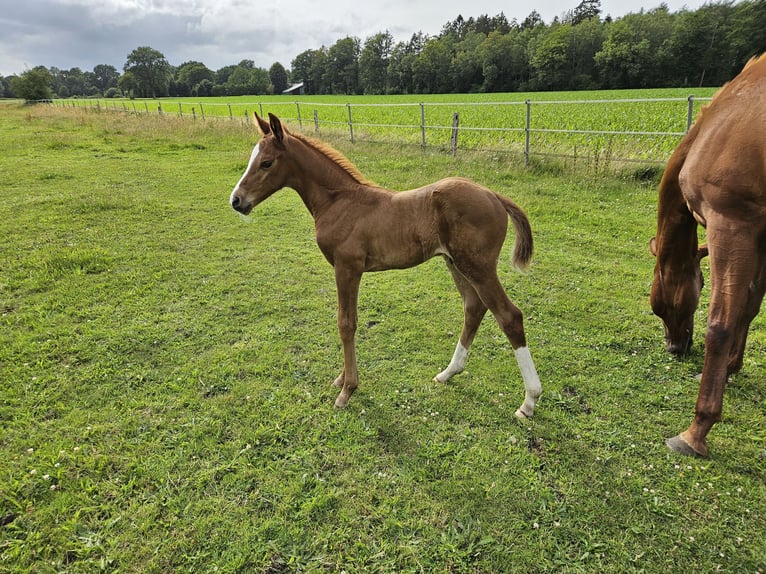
(597, 132)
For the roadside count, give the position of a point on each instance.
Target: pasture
(165, 370)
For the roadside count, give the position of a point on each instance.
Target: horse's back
(725, 167)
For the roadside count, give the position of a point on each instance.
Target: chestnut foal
(362, 227)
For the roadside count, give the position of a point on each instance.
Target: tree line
(579, 50)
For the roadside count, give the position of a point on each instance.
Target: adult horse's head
(263, 175)
(675, 295)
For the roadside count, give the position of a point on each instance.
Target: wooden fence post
(455, 125)
(300, 120)
(423, 126)
(316, 123)
(690, 113)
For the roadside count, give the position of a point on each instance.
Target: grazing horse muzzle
(680, 346)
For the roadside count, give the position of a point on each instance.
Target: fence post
(453, 139)
(423, 126)
(202, 112)
(350, 123)
(260, 106)
(316, 123)
(180, 111)
(159, 108)
(231, 115)
(526, 133)
(194, 114)
(690, 113)
(247, 119)
(300, 121)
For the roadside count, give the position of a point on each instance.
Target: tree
(33, 85)
(189, 75)
(278, 77)
(128, 84)
(105, 77)
(342, 71)
(151, 71)
(635, 54)
(301, 67)
(466, 68)
(373, 63)
(431, 69)
(586, 10)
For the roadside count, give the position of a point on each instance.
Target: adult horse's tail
(523, 245)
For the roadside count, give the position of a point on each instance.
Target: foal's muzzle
(243, 207)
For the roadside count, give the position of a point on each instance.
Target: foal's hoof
(521, 415)
(681, 446)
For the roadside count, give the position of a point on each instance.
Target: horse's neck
(677, 228)
(319, 180)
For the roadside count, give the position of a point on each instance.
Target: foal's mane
(336, 157)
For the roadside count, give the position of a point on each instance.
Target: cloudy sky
(84, 33)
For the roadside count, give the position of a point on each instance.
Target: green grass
(165, 369)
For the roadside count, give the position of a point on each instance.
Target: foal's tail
(523, 246)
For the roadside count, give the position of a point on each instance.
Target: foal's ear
(262, 124)
(276, 128)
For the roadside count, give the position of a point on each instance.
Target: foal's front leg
(347, 282)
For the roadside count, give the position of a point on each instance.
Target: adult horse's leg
(474, 310)
(347, 282)
(731, 276)
(754, 300)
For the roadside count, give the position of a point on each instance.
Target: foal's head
(675, 295)
(263, 175)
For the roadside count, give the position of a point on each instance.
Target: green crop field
(165, 370)
(486, 121)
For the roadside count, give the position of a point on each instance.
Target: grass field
(487, 121)
(165, 369)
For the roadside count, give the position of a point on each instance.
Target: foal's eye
(266, 164)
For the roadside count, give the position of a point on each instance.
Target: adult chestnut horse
(362, 227)
(716, 177)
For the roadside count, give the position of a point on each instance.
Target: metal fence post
(350, 123)
(690, 113)
(423, 126)
(526, 133)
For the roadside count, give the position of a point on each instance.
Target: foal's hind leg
(474, 310)
(511, 321)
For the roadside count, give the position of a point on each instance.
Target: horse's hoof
(341, 403)
(521, 415)
(678, 444)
